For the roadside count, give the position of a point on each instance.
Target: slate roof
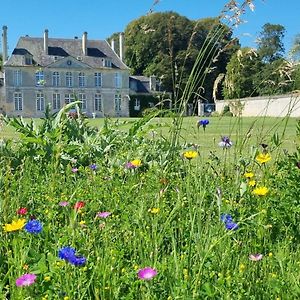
(59, 48)
(141, 84)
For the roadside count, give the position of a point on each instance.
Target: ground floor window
(56, 101)
(18, 99)
(82, 98)
(118, 99)
(69, 98)
(40, 102)
(98, 102)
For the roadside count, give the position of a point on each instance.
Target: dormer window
(28, 60)
(107, 63)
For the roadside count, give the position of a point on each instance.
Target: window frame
(56, 101)
(118, 103)
(55, 78)
(69, 79)
(98, 79)
(18, 99)
(98, 102)
(40, 101)
(81, 79)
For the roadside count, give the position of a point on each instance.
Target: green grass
(252, 130)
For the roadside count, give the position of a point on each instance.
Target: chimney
(152, 83)
(84, 43)
(46, 41)
(113, 44)
(4, 43)
(121, 45)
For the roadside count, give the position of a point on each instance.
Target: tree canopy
(270, 42)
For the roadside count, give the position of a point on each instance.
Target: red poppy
(22, 211)
(79, 205)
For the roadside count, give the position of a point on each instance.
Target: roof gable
(69, 63)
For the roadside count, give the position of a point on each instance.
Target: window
(81, 79)
(98, 102)
(28, 60)
(107, 63)
(39, 78)
(69, 98)
(18, 99)
(69, 79)
(55, 79)
(82, 98)
(118, 103)
(117, 80)
(98, 79)
(56, 101)
(137, 104)
(40, 102)
(17, 77)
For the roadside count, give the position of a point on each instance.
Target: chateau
(58, 71)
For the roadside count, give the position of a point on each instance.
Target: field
(137, 209)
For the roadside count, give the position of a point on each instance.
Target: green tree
(241, 70)
(167, 45)
(270, 44)
(295, 49)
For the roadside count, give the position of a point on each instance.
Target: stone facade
(44, 71)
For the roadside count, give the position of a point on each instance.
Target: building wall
(272, 106)
(29, 89)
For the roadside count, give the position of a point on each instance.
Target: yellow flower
(190, 154)
(154, 210)
(242, 268)
(47, 278)
(263, 157)
(260, 191)
(249, 175)
(82, 222)
(136, 162)
(15, 225)
(252, 183)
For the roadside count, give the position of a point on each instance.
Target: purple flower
(255, 257)
(225, 142)
(74, 170)
(26, 279)
(130, 165)
(63, 203)
(146, 273)
(103, 214)
(33, 226)
(66, 253)
(93, 167)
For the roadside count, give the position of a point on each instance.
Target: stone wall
(271, 106)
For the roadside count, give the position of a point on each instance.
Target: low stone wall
(271, 106)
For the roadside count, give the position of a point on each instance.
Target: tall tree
(295, 49)
(270, 42)
(167, 45)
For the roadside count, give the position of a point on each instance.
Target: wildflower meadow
(106, 213)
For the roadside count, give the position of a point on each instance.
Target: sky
(101, 18)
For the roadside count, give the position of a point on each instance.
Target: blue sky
(101, 18)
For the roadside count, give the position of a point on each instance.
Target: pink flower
(26, 279)
(78, 205)
(22, 211)
(63, 203)
(146, 273)
(103, 214)
(74, 170)
(255, 257)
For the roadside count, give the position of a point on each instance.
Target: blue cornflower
(231, 226)
(77, 260)
(93, 167)
(66, 253)
(225, 218)
(33, 226)
(202, 123)
(225, 142)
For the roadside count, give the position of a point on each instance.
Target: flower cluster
(68, 254)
